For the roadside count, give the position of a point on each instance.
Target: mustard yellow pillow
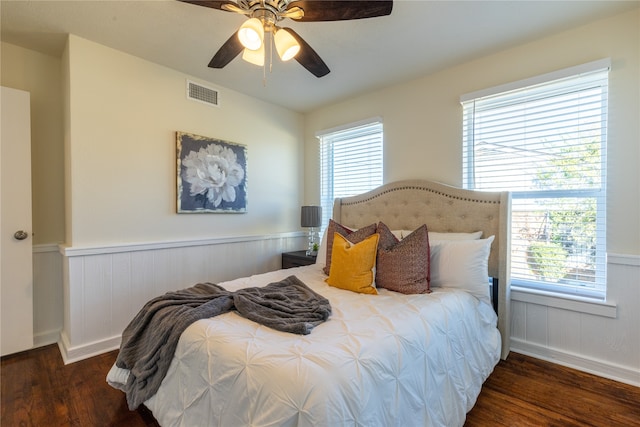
(353, 264)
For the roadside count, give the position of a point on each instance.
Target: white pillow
(434, 235)
(321, 258)
(462, 264)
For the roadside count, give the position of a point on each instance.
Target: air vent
(206, 95)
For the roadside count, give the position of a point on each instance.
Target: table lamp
(311, 218)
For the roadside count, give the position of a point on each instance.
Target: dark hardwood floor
(39, 390)
(523, 391)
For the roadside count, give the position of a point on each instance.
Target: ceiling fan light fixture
(251, 34)
(266, 14)
(286, 45)
(255, 57)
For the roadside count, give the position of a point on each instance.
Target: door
(16, 267)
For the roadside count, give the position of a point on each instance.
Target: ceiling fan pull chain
(264, 71)
(271, 50)
(264, 67)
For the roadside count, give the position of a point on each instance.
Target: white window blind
(350, 162)
(546, 143)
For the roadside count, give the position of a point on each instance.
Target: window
(350, 162)
(544, 139)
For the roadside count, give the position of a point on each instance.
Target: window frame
(327, 154)
(598, 291)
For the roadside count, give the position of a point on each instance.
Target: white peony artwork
(212, 175)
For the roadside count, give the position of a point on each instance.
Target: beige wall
(122, 116)
(422, 118)
(40, 75)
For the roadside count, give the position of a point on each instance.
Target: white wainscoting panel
(104, 287)
(47, 295)
(604, 341)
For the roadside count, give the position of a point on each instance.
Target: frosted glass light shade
(286, 45)
(251, 34)
(254, 56)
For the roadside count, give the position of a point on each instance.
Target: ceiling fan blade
(213, 4)
(229, 7)
(229, 50)
(341, 10)
(308, 58)
(293, 13)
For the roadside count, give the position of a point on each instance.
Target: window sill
(581, 305)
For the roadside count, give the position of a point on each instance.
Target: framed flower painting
(212, 175)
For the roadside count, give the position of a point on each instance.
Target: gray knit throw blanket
(150, 340)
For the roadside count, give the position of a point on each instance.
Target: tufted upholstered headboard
(406, 205)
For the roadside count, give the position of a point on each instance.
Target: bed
(391, 359)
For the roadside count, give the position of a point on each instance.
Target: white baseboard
(41, 339)
(75, 354)
(601, 368)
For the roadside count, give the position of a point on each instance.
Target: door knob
(20, 235)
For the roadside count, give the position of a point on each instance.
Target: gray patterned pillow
(403, 266)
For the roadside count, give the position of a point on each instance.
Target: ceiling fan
(264, 15)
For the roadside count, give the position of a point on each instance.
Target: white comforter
(385, 360)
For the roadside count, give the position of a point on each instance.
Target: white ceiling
(418, 38)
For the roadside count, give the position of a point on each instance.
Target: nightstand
(297, 259)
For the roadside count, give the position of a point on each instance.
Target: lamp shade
(251, 34)
(311, 216)
(254, 56)
(286, 45)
